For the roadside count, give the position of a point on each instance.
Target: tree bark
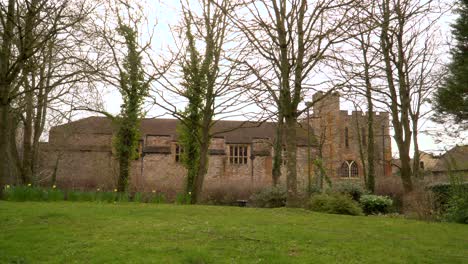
(278, 149)
(203, 166)
(291, 148)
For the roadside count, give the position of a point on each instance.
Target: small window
(238, 154)
(349, 169)
(178, 153)
(421, 165)
(346, 137)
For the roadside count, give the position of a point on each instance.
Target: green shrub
(443, 191)
(457, 209)
(122, 197)
(54, 195)
(157, 198)
(375, 204)
(182, 198)
(138, 197)
(106, 196)
(269, 197)
(22, 193)
(354, 190)
(334, 203)
(457, 204)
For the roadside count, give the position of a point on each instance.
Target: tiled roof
(231, 131)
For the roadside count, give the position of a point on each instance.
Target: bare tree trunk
(26, 174)
(400, 112)
(203, 166)
(416, 168)
(291, 148)
(370, 182)
(4, 142)
(278, 149)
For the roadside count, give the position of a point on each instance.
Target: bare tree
(210, 83)
(34, 72)
(292, 39)
(394, 65)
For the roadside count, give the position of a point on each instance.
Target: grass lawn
(72, 232)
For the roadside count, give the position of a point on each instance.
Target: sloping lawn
(68, 232)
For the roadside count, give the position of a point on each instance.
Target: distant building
(439, 168)
(79, 154)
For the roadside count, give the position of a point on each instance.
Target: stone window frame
(349, 169)
(238, 154)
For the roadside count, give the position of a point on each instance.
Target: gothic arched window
(349, 169)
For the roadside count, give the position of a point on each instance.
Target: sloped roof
(231, 131)
(455, 159)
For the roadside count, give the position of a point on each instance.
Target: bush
(157, 198)
(421, 204)
(78, 196)
(138, 197)
(354, 190)
(457, 205)
(443, 191)
(182, 198)
(22, 193)
(54, 195)
(375, 204)
(393, 188)
(269, 197)
(334, 203)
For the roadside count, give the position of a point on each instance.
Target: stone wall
(341, 137)
(77, 166)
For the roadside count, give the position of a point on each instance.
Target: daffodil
(98, 189)
(54, 186)
(190, 193)
(29, 185)
(115, 190)
(7, 186)
(153, 191)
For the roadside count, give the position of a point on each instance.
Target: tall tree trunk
(5, 82)
(124, 171)
(203, 166)
(278, 149)
(416, 168)
(4, 142)
(26, 170)
(291, 148)
(370, 182)
(400, 112)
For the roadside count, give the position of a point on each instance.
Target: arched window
(349, 169)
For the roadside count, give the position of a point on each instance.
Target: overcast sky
(166, 14)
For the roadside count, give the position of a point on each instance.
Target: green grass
(70, 232)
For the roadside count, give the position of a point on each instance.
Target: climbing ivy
(194, 83)
(133, 89)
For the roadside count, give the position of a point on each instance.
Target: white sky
(166, 13)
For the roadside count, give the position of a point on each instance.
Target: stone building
(342, 139)
(79, 154)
